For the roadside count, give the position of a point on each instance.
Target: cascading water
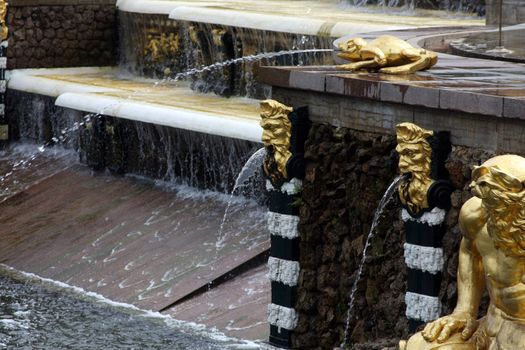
(248, 171)
(377, 215)
(460, 7)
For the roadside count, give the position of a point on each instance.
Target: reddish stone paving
(136, 243)
(234, 306)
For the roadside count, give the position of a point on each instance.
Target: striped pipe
(283, 264)
(423, 252)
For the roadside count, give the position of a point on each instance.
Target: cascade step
(136, 243)
(100, 90)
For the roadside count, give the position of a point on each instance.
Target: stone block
(514, 108)
(357, 87)
(393, 92)
(471, 102)
(465, 129)
(307, 80)
(274, 77)
(371, 116)
(420, 96)
(511, 136)
(335, 84)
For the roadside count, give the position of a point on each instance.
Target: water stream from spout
(251, 58)
(250, 168)
(382, 204)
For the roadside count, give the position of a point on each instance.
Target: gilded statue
(415, 154)
(3, 18)
(161, 46)
(276, 138)
(492, 255)
(387, 53)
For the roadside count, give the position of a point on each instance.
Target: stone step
(136, 243)
(101, 90)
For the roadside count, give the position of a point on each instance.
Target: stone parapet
(480, 101)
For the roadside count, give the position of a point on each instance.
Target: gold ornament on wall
(492, 256)
(415, 157)
(161, 46)
(386, 53)
(276, 138)
(3, 18)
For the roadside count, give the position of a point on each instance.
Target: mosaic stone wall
(45, 34)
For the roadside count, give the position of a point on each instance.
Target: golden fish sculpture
(386, 53)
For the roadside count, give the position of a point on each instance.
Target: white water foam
(189, 327)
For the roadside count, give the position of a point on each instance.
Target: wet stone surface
(133, 241)
(33, 317)
(483, 45)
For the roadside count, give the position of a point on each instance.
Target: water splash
(253, 164)
(382, 204)
(250, 58)
(411, 7)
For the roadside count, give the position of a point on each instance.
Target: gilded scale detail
(492, 255)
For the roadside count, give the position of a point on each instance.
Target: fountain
(362, 109)
(162, 115)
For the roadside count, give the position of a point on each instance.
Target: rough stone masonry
(54, 33)
(346, 175)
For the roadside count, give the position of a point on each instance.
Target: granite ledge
(477, 91)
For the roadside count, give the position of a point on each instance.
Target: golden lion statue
(388, 53)
(491, 255)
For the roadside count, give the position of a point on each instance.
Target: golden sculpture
(276, 138)
(161, 46)
(415, 156)
(3, 15)
(388, 53)
(216, 35)
(492, 253)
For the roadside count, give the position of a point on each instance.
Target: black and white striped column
(283, 221)
(283, 263)
(424, 260)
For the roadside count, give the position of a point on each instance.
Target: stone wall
(347, 174)
(61, 33)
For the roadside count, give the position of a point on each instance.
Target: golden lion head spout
(415, 156)
(499, 183)
(276, 138)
